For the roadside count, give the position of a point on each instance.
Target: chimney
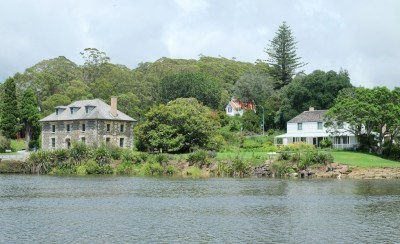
(311, 109)
(114, 106)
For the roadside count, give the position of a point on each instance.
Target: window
(121, 142)
(121, 128)
(229, 109)
(108, 127)
(319, 125)
(83, 139)
(83, 127)
(345, 140)
(53, 128)
(68, 127)
(299, 126)
(107, 140)
(53, 142)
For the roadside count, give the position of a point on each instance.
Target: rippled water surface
(48, 209)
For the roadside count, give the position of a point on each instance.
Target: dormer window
(89, 108)
(59, 110)
(74, 109)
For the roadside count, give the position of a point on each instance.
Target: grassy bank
(363, 160)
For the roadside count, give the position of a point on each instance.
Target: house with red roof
(236, 107)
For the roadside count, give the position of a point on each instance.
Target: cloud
(360, 36)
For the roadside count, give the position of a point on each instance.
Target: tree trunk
(28, 132)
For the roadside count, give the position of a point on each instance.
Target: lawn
(363, 160)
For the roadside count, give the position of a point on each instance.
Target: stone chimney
(114, 106)
(311, 109)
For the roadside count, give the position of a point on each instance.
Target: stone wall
(95, 133)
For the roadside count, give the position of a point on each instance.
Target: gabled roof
(236, 104)
(101, 111)
(310, 116)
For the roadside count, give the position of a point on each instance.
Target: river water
(51, 209)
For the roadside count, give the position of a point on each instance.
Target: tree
(371, 114)
(53, 101)
(30, 118)
(93, 61)
(255, 87)
(178, 126)
(251, 121)
(283, 57)
(203, 87)
(10, 113)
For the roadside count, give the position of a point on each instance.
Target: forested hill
(211, 80)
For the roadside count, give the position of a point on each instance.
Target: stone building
(89, 121)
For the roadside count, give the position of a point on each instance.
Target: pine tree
(283, 57)
(30, 118)
(9, 114)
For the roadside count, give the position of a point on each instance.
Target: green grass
(362, 160)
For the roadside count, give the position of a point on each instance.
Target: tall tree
(255, 87)
(9, 114)
(178, 126)
(94, 60)
(30, 116)
(282, 56)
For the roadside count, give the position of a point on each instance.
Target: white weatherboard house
(309, 127)
(235, 107)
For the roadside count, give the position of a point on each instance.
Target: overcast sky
(362, 36)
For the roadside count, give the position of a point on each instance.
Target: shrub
(325, 143)
(250, 144)
(116, 152)
(199, 157)
(298, 146)
(140, 157)
(59, 157)
(194, 172)
(40, 162)
(80, 152)
(151, 169)
(161, 158)
(125, 168)
(240, 167)
(284, 155)
(280, 168)
(102, 156)
(4, 144)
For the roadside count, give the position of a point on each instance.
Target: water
(49, 209)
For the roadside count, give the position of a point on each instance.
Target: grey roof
(310, 116)
(101, 111)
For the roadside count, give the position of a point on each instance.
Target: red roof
(236, 104)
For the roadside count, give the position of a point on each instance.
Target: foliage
(251, 144)
(17, 145)
(282, 56)
(80, 152)
(152, 169)
(40, 162)
(240, 167)
(53, 101)
(102, 155)
(4, 144)
(255, 87)
(298, 146)
(199, 158)
(29, 117)
(194, 171)
(92, 167)
(251, 121)
(369, 113)
(177, 126)
(325, 143)
(201, 86)
(9, 110)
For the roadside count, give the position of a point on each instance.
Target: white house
(235, 107)
(309, 127)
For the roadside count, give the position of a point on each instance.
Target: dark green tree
(251, 121)
(282, 56)
(10, 123)
(255, 87)
(201, 86)
(29, 117)
(178, 126)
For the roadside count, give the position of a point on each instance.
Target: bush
(280, 168)
(240, 167)
(40, 162)
(298, 146)
(140, 157)
(199, 157)
(325, 143)
(102, 155)
(116, 152)
(79, 153)
(161, 158)
(4, 144)
(151, 169)
(126, 168)
(194, 172)
(251, 144)
(59, 157)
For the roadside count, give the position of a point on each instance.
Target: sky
(361, 36)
